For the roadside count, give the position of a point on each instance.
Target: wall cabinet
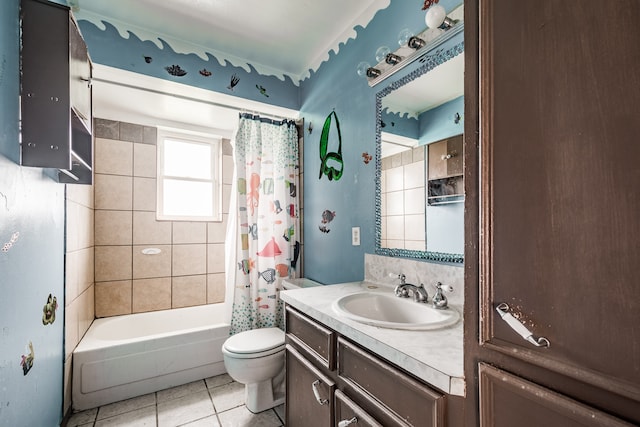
(55, 95)
(445, 171)
(331, 380)
(550, 249)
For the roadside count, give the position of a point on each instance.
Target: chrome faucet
(439, 300)
(405, 289)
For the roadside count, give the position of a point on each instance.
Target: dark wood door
(559, 230)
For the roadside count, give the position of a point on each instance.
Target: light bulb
(382, 53)
(435, 16)
(404, 36)
(362, 68)
(432, 33)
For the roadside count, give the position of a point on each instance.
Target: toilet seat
(255, 343)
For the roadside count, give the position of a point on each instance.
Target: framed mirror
(419, 124)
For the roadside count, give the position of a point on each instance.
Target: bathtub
(127, 356)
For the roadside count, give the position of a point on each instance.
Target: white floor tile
(185, 409)
(128, 405)
(228, 396)
(242, 417)
(144, 417)
(84, 417)
(181, 391)
(211, 421)
(218, 380)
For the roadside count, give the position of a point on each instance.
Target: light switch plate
(355, 236)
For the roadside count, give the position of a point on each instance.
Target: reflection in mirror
(419, 189)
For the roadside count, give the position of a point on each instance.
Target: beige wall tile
(217, 231)
(67, 385)
(227, 169)
(144, 160)
(71, 337)
(226, 197)
(86, 270)
(81, 194)
(71, 273)
(188, 291)
(215, 288)
(113, 263)
(86, 226)
(189, 232)
(215, 258)
(113, 192)
(72, 230)
(86, 313)
(189, 260)
(113, 157)
(113, 227)
(113, 298)
(148, 266)
(144, 194)
(148, 231)
(151, 294)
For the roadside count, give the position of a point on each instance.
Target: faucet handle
(440, 287)
(400, 276)
(439, 300)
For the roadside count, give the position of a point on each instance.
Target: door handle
(316, 392)
(519, 328)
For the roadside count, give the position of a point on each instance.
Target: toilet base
(260, 397)
(266, 394)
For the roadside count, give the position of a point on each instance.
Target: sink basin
(389, 311)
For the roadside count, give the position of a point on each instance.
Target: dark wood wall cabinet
(55, 93)
(551, 250)
(445, 172)
(331, 381)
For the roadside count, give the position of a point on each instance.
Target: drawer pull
(519, 328)
(345, 423)
(316, 392)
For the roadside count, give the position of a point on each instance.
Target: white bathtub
(127, 356)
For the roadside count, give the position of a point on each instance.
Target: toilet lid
(255, 341)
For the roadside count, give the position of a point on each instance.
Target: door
(559, 227)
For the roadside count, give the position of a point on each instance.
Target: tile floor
(215, 402)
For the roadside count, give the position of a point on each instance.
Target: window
(189, 171)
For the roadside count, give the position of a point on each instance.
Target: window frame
(215, 142)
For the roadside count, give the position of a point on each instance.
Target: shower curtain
(262, 237)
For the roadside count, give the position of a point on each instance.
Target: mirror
(419, 187)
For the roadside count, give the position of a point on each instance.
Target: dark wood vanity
(332, 380)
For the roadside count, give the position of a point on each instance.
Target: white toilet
(256, 358)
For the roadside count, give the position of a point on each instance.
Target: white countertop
(436, 357)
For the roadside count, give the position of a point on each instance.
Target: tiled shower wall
(79, 283)
(188, 271)
(403, 200)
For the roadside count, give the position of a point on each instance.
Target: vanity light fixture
(440, 29)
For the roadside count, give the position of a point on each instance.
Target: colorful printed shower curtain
(267, 244)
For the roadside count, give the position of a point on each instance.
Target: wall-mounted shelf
(445, 184)
(55, 96)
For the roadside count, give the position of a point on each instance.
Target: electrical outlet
(355, 236)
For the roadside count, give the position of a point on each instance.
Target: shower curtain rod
(190, 98)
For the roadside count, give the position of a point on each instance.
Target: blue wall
(32, 205)
(438, 123)
(330, 257)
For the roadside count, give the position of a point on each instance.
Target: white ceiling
(277, 37)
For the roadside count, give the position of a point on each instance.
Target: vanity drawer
(347, 409)
(390, 392)
(311, 337)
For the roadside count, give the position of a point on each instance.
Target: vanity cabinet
(55, 95)
(331, 380)
(445, 171)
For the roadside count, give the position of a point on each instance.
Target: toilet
(255, 358)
